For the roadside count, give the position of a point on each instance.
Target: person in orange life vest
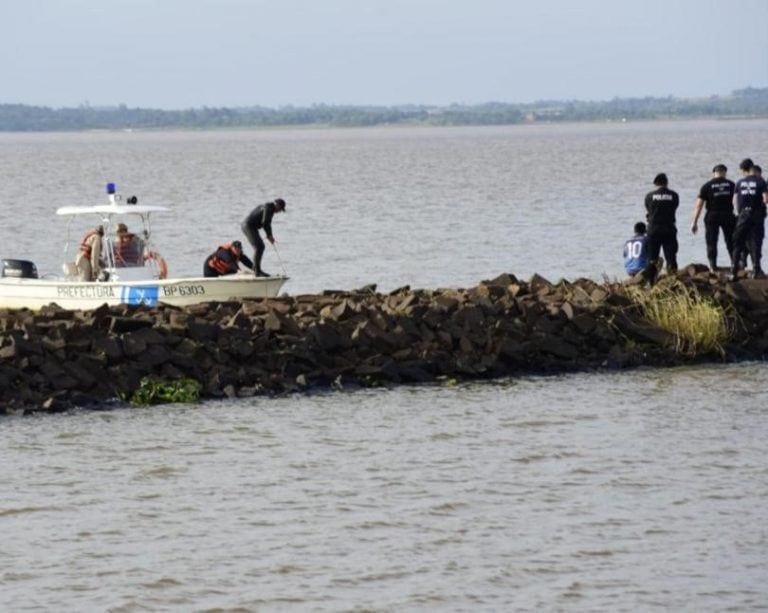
(226, 260)
(128, 249)
(89, 262)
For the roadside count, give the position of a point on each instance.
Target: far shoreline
(387, 126)
(749, 102)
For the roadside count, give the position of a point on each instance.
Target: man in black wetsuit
(260, 218)
(717, 195)
(660, 205)
(750, 200)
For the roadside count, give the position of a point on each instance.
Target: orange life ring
(162, 266)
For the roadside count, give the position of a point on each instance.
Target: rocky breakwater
(54, 359)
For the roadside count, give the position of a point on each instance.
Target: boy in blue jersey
(636, 251)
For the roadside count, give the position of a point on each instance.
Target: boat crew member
(129, 248)
(89, 262)
(750, 200)
(260, 218)
(661, 205)
(226, 260)
(636, 251)
(757, 171)
(716, 195)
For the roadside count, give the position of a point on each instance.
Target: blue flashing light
(111, 188)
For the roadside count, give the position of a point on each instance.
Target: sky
(177, 54)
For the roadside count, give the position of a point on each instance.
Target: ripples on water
(620, 492)
(613, 492)
(424, 207)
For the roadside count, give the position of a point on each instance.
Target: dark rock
(548, 325)
(120, 325)
(155, 355)
(272, 322)
(585, 322)
(326, 336)
(8, 352)
(500, 327)
(25, 347)
(110, 347)
(338, 312)
(54, 404)
(748, 291)
(643, 331)
(445, 304)
(202, 331)
(696, 269)
(504, 280)
(556, 346)
(85, 377)
(540, 285)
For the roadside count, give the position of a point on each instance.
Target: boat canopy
(111, 209)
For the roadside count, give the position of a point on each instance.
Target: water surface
(618, 491)
(644, 490)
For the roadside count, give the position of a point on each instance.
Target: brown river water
(633, 491)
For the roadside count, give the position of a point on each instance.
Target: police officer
(750, 199)
(717, 195)
(660, 205)
(757, 171)
(636, 251)
(260, 218)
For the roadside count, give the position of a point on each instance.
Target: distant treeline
(749, 102)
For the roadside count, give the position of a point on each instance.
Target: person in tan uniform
(88, 260)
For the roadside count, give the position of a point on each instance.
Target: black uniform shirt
(661, 205)
(749, 193)
(718, 195)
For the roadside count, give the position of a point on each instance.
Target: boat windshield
(127, 233)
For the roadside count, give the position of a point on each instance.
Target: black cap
(660, 179)
(280, 202)
(720, 168)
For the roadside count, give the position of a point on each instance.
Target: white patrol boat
(143, 282)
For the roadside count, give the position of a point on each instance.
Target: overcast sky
(190, 53)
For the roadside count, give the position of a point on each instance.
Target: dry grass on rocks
(700, 325)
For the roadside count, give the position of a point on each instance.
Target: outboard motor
(19, 269)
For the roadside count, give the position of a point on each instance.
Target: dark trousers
(665, 239)
(253, 236)
(748, 236)
(714, 221)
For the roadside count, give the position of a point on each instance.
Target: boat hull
(17, 293)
